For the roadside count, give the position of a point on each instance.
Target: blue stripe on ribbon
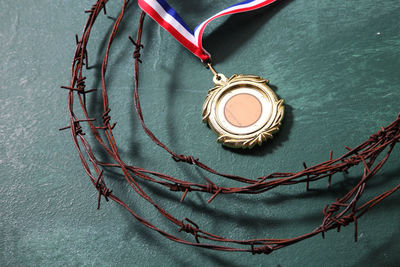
(241, 3)
(179, 19)
(174, 14)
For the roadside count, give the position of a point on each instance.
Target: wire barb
(102, 189)
(138, 47)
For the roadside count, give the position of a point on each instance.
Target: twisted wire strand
(342, 212)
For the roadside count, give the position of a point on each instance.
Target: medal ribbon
(170, 20)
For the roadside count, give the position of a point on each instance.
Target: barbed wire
(342, 212)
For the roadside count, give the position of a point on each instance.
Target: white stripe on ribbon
(171, 20)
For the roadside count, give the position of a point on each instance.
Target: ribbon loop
(170, 20)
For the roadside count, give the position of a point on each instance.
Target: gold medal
(243, 110)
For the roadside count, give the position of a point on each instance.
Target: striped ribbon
(170, 20)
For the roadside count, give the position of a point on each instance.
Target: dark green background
(336, 63)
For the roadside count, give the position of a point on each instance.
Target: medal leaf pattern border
(249, 140)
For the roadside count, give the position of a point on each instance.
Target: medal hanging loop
(219, 78)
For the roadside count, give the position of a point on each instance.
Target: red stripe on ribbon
(199, 52)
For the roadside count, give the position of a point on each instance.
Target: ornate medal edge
(257, 138)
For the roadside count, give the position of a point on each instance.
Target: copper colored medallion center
(242, 110)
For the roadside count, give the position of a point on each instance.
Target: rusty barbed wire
(342, 212)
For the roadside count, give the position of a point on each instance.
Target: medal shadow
(238, 29)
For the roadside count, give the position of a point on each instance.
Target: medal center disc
(242, 110)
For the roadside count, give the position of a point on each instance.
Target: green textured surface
(336, 64)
